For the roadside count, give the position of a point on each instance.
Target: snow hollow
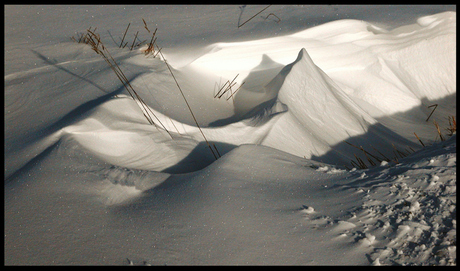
(281, 138)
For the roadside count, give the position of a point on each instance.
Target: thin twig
(383, 155)
(229, 87)
(439, 130)
(124, 35)
(145, 25)
(235, 91)
(253, 16)
(279, 20)
(452, 126)
(435, 106)
(188, 105)
(362, 149)
(419, 139)
(94, 41)
(135, 37)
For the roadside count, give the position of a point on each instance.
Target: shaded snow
(89, 181)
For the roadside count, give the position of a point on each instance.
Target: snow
(89, 181)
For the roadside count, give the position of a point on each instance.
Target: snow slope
(89, 181)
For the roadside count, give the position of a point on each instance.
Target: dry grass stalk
(126, 31)
(151, 46)
(94, 41)
(233, 93)
(419, 139)
(83, 38)
(231, 84)
(135, 37)
(216, 149)
(189, 108)
(145, 25)
(383, 155)
(272, 14)
(172, 122)
(359, 163)
(452, 126)
(435, 106)
(96, 44)
(439, 130)
(364, 151)
(396, 151)
(240, 25)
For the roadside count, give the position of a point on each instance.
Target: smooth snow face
(362, 59)
(90, 181)
(298, 107)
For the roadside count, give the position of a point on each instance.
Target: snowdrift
(89, 181)
(299, 108)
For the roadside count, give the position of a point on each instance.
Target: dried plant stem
(126, 31)
(435, 106)
(383, 155)
(279, 20)
(253, 16)
(419, 139)
(227, 88)
(396, 151)
(189, 108)
(360, 163)
(364, 151)
(221, 93)
(145, 25)
(96, 44)
(452, 126)
(231, 96)
(135, 37)
(439, 130)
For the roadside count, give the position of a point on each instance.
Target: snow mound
(400, 219)
(317, 109)
(89, 181)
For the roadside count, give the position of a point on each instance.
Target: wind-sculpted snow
(318, 108)
(89, 181)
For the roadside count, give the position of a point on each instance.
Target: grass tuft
(452, 129)
(374, 159)
(94, 40)
(96, 44)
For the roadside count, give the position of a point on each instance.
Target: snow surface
(89, 181)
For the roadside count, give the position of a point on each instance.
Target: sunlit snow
(89, 181)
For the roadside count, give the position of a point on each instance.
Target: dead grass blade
(435, 106)
(231, 96)
(419, 139)
(452, 126)
(96, 44)
(272, 14)
(135, 37)
(228, 87)
(126, 31)
(145, 25)
(189, 108)
(439, 130)
(240, 25)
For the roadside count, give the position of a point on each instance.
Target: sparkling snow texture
(89, 181)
